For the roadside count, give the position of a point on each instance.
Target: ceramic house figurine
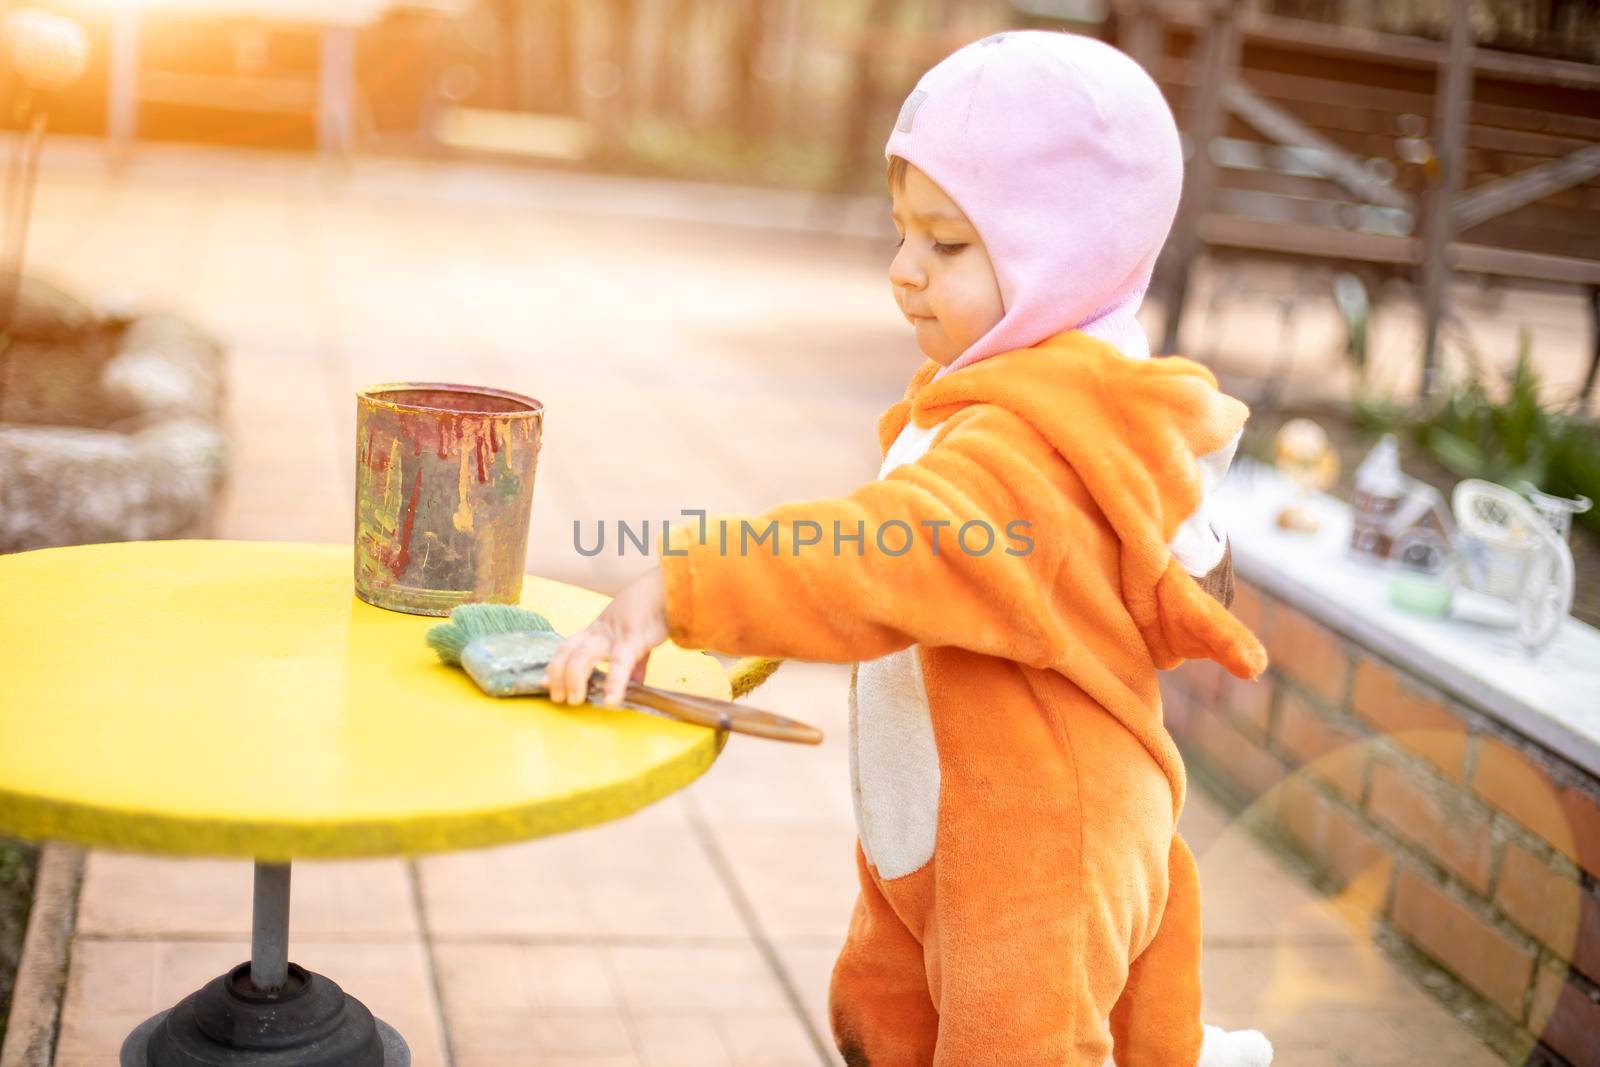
(1390, 508)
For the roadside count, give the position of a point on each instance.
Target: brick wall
(1476, 847)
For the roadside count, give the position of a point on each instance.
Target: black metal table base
(310, 1022)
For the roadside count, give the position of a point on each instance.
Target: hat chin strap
(1117, 324)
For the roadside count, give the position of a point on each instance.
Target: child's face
(941, 275)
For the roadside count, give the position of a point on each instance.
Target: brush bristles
(480, 619)
(448, 640)
(469, 621)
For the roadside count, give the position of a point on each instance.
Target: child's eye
(900, 242)
(948, 249)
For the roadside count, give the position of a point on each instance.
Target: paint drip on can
(444, 494)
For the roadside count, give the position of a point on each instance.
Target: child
(1033, 551)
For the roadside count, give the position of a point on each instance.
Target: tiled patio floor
(684, 364)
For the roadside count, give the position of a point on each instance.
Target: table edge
(37, 818)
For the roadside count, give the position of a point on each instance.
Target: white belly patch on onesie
(894, 763)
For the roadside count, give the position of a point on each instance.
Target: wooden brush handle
(723, 714)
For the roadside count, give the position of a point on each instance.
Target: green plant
(1513, 438)
(1355, 308)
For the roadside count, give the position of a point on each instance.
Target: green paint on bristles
(469, 621)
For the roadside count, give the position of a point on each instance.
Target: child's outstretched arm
(961, 547)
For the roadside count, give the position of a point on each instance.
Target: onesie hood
(1133, 431)
(1064, 155)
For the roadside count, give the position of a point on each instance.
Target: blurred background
(666, 219)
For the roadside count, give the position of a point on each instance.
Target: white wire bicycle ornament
(1513, 547)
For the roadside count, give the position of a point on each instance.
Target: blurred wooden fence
(1388, 155)
(1385, 155)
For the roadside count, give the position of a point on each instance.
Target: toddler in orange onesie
(1036, 547)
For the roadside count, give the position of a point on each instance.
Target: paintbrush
(506, 650)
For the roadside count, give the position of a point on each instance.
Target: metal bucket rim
(372, 394)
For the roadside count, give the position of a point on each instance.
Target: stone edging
(35, 1018)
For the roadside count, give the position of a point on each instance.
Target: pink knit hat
(1063, 153)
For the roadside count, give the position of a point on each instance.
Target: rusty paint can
(444, 494)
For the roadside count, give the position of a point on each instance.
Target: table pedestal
(267, 1011)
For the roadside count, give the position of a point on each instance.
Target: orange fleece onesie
(1058, 913)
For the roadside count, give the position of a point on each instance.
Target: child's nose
(905, 272)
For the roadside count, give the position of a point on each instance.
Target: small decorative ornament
(1395, 516)
(1556, 510)
(1425, 561)
(1301, 451)
(1516, 551)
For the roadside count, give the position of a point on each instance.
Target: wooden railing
(1391, 155)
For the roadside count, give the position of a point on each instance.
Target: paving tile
(767, 1041)
(535, 1036)
(810, 966)
(722, 981)
(1247, 896)
(534, 1004)
(643, 876)
(1366, 1038)
(1359, 1037)
(501, 979)
(132, 896)
(545, 1059)
(680, 1041)
(1432, 1036)
(1286, 977)
(799, 877)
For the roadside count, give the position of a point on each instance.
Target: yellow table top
(230, 698)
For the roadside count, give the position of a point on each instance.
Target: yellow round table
(227, 698)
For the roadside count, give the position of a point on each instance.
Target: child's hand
(632, 624)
